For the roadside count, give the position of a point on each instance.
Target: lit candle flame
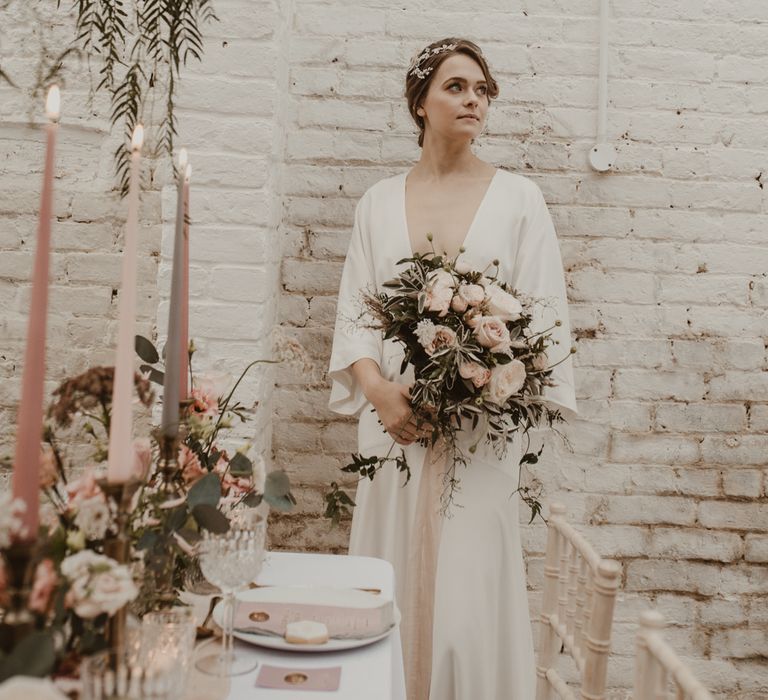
(188, 172)
(183, 159)
(138, 138)
(53, 103)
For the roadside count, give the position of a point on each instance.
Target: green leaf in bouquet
(277, 491)
(208, 518)
(206, 490)
(189, 535)
(35, 655)
(148, 540)
(154, 375)
(176, 519)
(240, 465)
(146, 350)
(253, 499)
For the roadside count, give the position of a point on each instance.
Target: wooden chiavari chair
(577, 612)
(659, 672)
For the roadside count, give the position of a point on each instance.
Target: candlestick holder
(170, 479)
(170, 486)
(18, 621)
(117, 546)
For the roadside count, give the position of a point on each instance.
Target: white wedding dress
(482, 637)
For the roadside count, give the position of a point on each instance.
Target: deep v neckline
(467, 235)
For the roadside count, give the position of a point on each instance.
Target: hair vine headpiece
(417, 60)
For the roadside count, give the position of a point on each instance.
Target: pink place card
(281, 678)
(341, 622)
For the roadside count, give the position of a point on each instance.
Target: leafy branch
(143, 45)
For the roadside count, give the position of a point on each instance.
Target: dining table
(369, 672)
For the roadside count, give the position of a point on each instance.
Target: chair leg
(598, 643)
(547, 636)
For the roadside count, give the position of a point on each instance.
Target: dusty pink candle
(121, 461)
(26, 465)
(184, 378)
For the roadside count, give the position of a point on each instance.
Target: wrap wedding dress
(482, 645)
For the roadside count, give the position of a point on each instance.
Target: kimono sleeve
(538, 272)
(352, 341)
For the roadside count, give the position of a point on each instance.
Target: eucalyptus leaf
(277, 491)
(155, 375)
(35, 655)
(146, 350)
(253, 499)
(148, 539)
(240, 465)
(205, 491)
(208, 518)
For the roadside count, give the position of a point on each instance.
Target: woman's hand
(390, 400)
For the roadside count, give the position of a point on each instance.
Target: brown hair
(416, 87)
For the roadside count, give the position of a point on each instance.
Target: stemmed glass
(231, 560)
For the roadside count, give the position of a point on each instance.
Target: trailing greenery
(143, 45)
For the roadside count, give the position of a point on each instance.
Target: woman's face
(456, 103)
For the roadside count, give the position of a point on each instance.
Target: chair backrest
(659, 672)
(576, 613)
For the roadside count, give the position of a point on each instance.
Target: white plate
(274, 642)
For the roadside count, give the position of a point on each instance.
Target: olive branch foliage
(143, 45)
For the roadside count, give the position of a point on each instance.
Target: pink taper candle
(26, 465)
(184, 378)
(121, 426)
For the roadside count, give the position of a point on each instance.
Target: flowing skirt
(482, 644)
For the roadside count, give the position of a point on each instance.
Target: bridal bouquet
(476, 361)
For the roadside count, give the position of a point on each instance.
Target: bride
(466, 629)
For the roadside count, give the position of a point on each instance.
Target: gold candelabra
(117, 546)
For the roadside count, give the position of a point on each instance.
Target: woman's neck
(440, 159)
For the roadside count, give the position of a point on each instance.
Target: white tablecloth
(373, 672)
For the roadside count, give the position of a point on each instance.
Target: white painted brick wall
(665, 262)
(297, 108)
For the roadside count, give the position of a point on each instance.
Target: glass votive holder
(168, 638)
(111, 676)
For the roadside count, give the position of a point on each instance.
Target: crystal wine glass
(232, 560)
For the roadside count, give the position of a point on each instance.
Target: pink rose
(475, 372)
(191, 469)
(462, 268)
(505, 380)
(444, 337)
(473, 294)
(502, 304)
(472, 318)
(49, 471)
(142, 458)
(43, 586)
(84, 488)
(458, 304)
(439, 292)
(491, 332)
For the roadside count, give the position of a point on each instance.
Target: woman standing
(473, 613)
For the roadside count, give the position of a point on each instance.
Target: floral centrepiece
(478, 364)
